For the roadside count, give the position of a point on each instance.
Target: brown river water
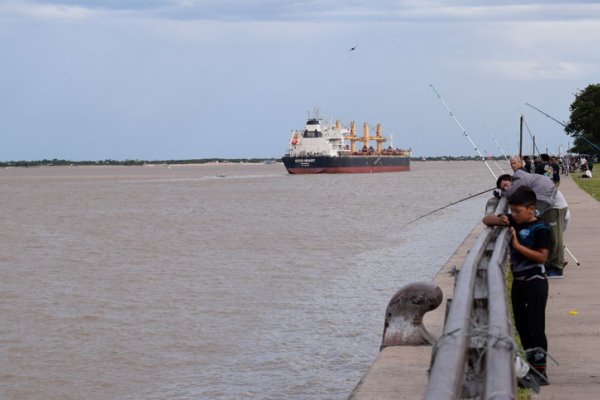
(213, 281)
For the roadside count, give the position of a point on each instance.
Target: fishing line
(463, 130)
(495, 162)
(497, 144)
(532, 136)
(499, 148)
(579, 134)
(446, 206)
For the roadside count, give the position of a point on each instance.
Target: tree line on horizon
(57, 162)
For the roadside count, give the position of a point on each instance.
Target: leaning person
(530, 246)
(552, 207)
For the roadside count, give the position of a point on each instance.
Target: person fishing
(530, 246)
(551, 205)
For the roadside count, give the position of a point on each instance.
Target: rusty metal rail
(474, 358)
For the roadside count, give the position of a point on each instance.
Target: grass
(590, 185)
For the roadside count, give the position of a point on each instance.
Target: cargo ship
(322, 147)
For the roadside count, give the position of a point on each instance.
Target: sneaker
(554, 273)
(533, 380)
(529, 381)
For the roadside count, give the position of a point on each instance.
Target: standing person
(565, 165)
(527, 165)
(555, 171)
(530, 246)
(551, 204)
(544, 167)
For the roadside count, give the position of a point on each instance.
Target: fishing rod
(547, 115)
(463, 130)
(572, 256)
(446, 206)
(579, 135)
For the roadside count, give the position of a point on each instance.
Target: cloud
(52, 11)
(317, 10)
(527, 70)
(138, 69)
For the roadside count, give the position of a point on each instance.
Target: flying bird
(353, 48)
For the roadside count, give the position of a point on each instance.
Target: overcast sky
(179, 79)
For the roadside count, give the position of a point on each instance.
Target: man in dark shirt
(555, 171)
(527, 164)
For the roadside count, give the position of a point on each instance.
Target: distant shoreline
(56, 162)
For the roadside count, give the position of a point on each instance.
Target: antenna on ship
(316, 112)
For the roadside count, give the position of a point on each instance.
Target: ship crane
(366, 138)
(378, 138)
(353, 138)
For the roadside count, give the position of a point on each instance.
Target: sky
(187, 79)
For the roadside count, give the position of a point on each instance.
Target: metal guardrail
(499, 356)
(474, 358)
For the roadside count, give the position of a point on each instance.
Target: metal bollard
(404, 315)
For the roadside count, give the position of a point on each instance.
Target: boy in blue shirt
(530, 246)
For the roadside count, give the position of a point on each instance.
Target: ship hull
(347, 164)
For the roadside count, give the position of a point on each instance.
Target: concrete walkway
(572, 319)
(573, 310)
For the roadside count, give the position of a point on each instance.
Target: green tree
(584, 123)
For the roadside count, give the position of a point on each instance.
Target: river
(219, 281)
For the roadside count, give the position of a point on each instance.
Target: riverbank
(572, 319)
(400, 372)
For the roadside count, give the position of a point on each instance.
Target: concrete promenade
(572, 319)
(573, 310)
